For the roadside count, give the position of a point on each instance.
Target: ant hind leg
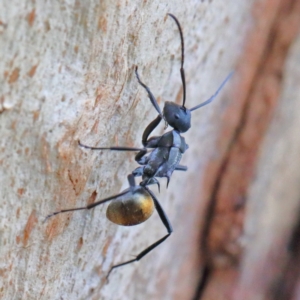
(168, 226)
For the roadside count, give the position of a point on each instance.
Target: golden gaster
(131, 209)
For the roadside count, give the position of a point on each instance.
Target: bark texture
(67, 73)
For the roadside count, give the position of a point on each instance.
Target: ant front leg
(164, 220)
(150, 95)
(152, 142)
(148, 143)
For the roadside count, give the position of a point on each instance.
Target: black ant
(136, 204)
(168, 148)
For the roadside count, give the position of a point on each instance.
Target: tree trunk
(67, 74)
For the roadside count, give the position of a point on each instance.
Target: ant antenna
(182, 59)
(215, 94)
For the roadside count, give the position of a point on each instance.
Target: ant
(168, 148)
(137, 203)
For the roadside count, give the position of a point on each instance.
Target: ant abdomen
(132, 208)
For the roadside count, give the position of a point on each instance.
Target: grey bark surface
(67, 73)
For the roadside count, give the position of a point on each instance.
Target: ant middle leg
(140, 157)
(181, 168)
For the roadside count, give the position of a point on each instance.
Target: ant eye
(176, 117)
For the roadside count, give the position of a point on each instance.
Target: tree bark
(67, 74)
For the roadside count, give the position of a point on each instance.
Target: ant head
(177, 116)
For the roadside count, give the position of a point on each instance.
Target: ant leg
(181, 168)
(156, 121)
(131, 181)
(113, 148)
(138, 172)
(167, 224)
(150, 95)
(88, 206)
(138, 157)
(150, 181)
(214, 95)
(152, 142)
